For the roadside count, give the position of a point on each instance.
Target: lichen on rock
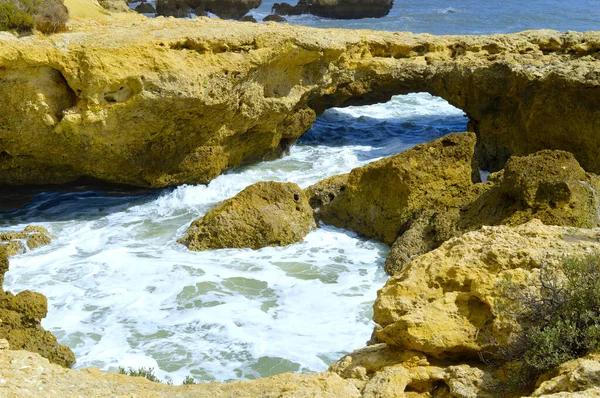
(263, 214)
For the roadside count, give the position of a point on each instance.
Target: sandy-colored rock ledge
(155, 102)
(24, 374)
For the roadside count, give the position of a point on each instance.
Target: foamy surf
(123, 292)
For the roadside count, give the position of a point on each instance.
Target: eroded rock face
(263, 214)
(579, 375)
(381, 199)
(20, 322)
(382, 371)
(426, 195)
(445, 303)
(156, 102)
(351, 9)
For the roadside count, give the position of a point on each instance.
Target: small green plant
(148, 373)
(189, 380)
(559, 316)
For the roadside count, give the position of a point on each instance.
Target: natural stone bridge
(156, 102)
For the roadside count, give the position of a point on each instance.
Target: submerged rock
(263, 214)
(445, 303)
(351, 9)
(31, 237)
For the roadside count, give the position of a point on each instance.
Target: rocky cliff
(155, 102)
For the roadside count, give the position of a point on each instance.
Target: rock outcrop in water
(31, 237)
(20, 322)
(351, 9)
(156, 102)
(263, 214)
(420, 198)
(226, 9)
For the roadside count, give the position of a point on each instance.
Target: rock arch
(204, 96)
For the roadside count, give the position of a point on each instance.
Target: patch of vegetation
(189, 380)
(559, 315)
(148, 373)
(22, 16)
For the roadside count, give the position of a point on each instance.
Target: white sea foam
(123, 292)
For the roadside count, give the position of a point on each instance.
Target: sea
(123, 293)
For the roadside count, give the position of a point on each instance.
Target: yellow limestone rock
(580, 375)
(428, 194)
(381, 371)
(160, 101)
(28, 375)
(20, 322)
(444, 303)
(31, 237)
(263, 214)
(381, 198)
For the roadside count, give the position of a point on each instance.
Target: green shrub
(559, 316)
(47, 16)
(148, 373)
(189, 380)
(13, 17)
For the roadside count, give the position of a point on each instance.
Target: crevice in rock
(71, 97)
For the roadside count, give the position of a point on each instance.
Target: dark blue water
(467, 16)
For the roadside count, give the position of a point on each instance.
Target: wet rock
(274, 18)
(303, 7)
(263, 214)
(445, 303)
(145, 8)
(31, 237)
(351, 9)
(248, 18)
